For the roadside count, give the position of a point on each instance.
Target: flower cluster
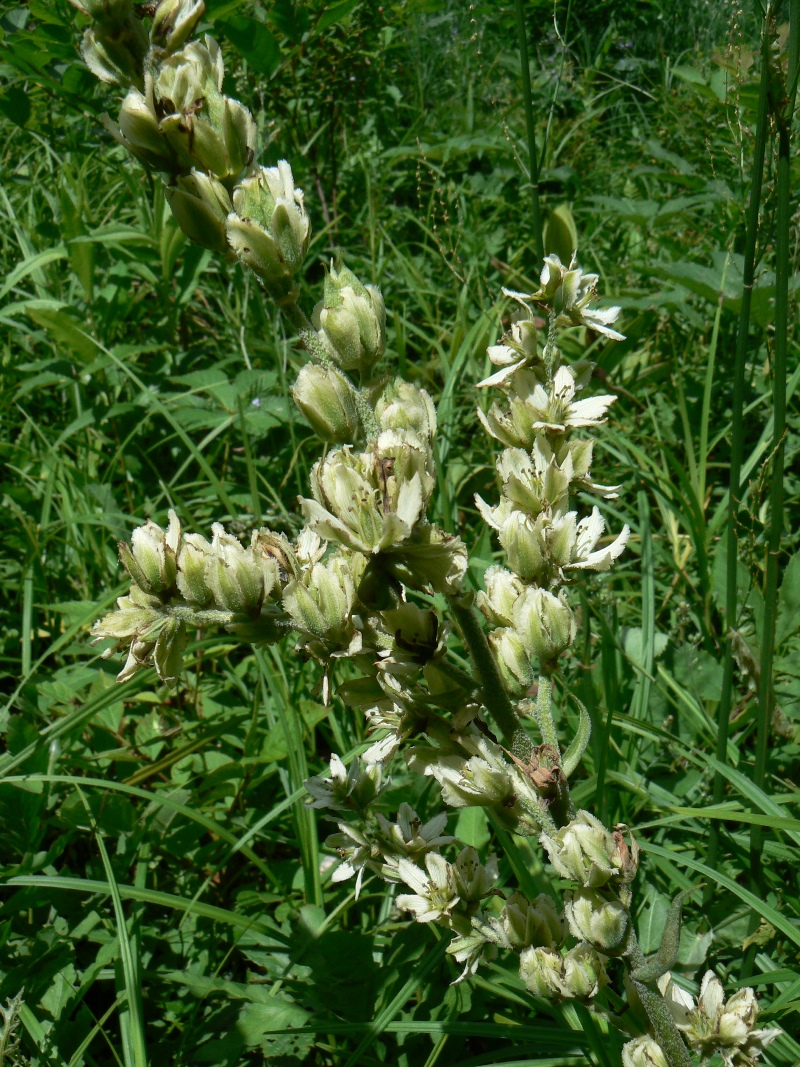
(542, 464)
(365, 579)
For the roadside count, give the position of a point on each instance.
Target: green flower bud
(201, 205)
(193, 560)
(107, 12)
(151, 558)
(643, 1052)
(326, 400)
(545, 625)
(269, 228)
(353, 322)
(115, 53)
(402, 406)
(322, 602)
(174, 22)
(238, 578)
(502, 590)
(168, 653)
(207, 130)
(587, 852)
(523, 541)
(140, 132)
(601, 923)
(541, 971)
(527, 923)
(513, 660)
(584, 974)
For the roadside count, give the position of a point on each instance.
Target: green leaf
(15, 104)
(254, 42)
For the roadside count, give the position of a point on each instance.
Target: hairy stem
(493, 693)
(663, 1025)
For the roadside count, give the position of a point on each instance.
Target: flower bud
(584, 974)
(106, 12)
(115, 53)
(326, 400)
(193, 559)
(207, 130)
(150, 559)
(643, 1052)
(140, 133)
(269, 228)
(238, 578)
(591, 918)
(585, 851)
(168, 654)
(513, 660)
(353, 321)
(502, 590)
(541, 971)
(545, 624)
(322, 602)
(201, 205)
(174, 22)
(527, 923)
(403, 406)
(521, 538)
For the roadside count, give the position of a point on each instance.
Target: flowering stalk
(349, 585)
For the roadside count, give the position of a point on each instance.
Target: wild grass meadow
(578, 768)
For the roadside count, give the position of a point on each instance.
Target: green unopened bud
(541, 971)
(151, 558)
(522, 540)
(322, 602)
(513, 660)
(528, 923)
(502, 590)
(269, 228)
(200, 205)
(353, 322)
(168, 653)
(207, 130)
(115, 54)
(403, 406)
(584, 974)
(106, 12)
(174, 22)
(193, 560)
(326, 400)
(643, 1052)
(587, 852)
(545, 624)
(238, 578)
(600, 922)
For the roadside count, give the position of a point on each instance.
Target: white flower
(409, 836)
(585, 555)
(345, 789)
(357, 853)
(714, 1025)
(434, 895)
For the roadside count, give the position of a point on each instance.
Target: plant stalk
(493, 692)
(666, 1032)
(737, 442)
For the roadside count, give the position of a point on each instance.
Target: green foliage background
(162, 880)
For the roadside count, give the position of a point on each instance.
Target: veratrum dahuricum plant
(347, 585)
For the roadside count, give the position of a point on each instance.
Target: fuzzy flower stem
(312, 344)
(666, 1032)
(543, 711)
(493, 694)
